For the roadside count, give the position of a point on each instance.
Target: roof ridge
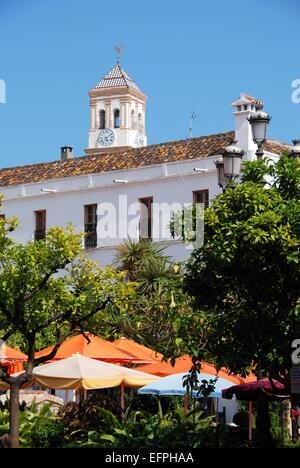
(196, 148)
(273, 140)
(84, 157)
(123, 73)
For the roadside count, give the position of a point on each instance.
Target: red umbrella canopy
(94, 348)
(252, 391)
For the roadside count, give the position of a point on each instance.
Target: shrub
(142, 430)
(29, 419)
(86, 417)
(47, 434)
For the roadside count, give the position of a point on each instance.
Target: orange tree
(49, 286)
(246, 277)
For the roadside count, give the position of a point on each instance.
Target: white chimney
(66, 152)
(245, 106)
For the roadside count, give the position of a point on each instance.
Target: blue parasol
(173, 385)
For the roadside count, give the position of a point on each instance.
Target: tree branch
(67, 314)
(52, 354)
(84, 334)
(77, 323)
(5, 377)
(55, 318)
(44, 281)
(8, 334)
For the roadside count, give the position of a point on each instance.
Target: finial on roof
(119, 50)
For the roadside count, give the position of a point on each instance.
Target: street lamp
(294, 151)
(232, 159)
(220, 172)
(259, 123)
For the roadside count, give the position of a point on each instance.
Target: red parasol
(252, 391)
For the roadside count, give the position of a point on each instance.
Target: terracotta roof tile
(123, 159)
(253, 100)
(117, 78)
(276, 147)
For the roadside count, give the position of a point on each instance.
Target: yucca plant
(132, 254)
(156, 273)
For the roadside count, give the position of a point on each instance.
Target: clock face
(106, 137)
(140, 139)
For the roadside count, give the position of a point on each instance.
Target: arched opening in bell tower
(132, 118)
(102, 119)
(116, 118)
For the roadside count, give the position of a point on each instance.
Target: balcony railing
(90, 238)
(40, 234)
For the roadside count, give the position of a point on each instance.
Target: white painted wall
(243, 134)
(169, 183)
(166, 183)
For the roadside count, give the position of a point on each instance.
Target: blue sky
(185, 55)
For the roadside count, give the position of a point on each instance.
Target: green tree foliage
(246, 277)
(50, 288)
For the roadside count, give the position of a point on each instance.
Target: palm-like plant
(157, 273)
(158, 292)
(132, 254)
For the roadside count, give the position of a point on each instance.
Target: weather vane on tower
(118, 51)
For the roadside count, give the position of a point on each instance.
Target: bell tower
(117, 109)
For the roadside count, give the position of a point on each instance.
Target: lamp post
(220, 173)
(259, 123)
(294, 151)
(229, 167)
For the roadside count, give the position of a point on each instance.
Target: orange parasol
(8, 355)
(15, 367)
(95, 348)
(184, 364)
(142, 353)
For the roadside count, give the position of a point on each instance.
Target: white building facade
(122, 188)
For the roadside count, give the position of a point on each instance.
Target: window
(146, 218)
(116, 118)
(102, 119)
(40, 225)
(90, 226)
(140, 123)
(201, 196)
(133, 124)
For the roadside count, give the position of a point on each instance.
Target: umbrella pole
(250, 421)
(122, 398)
